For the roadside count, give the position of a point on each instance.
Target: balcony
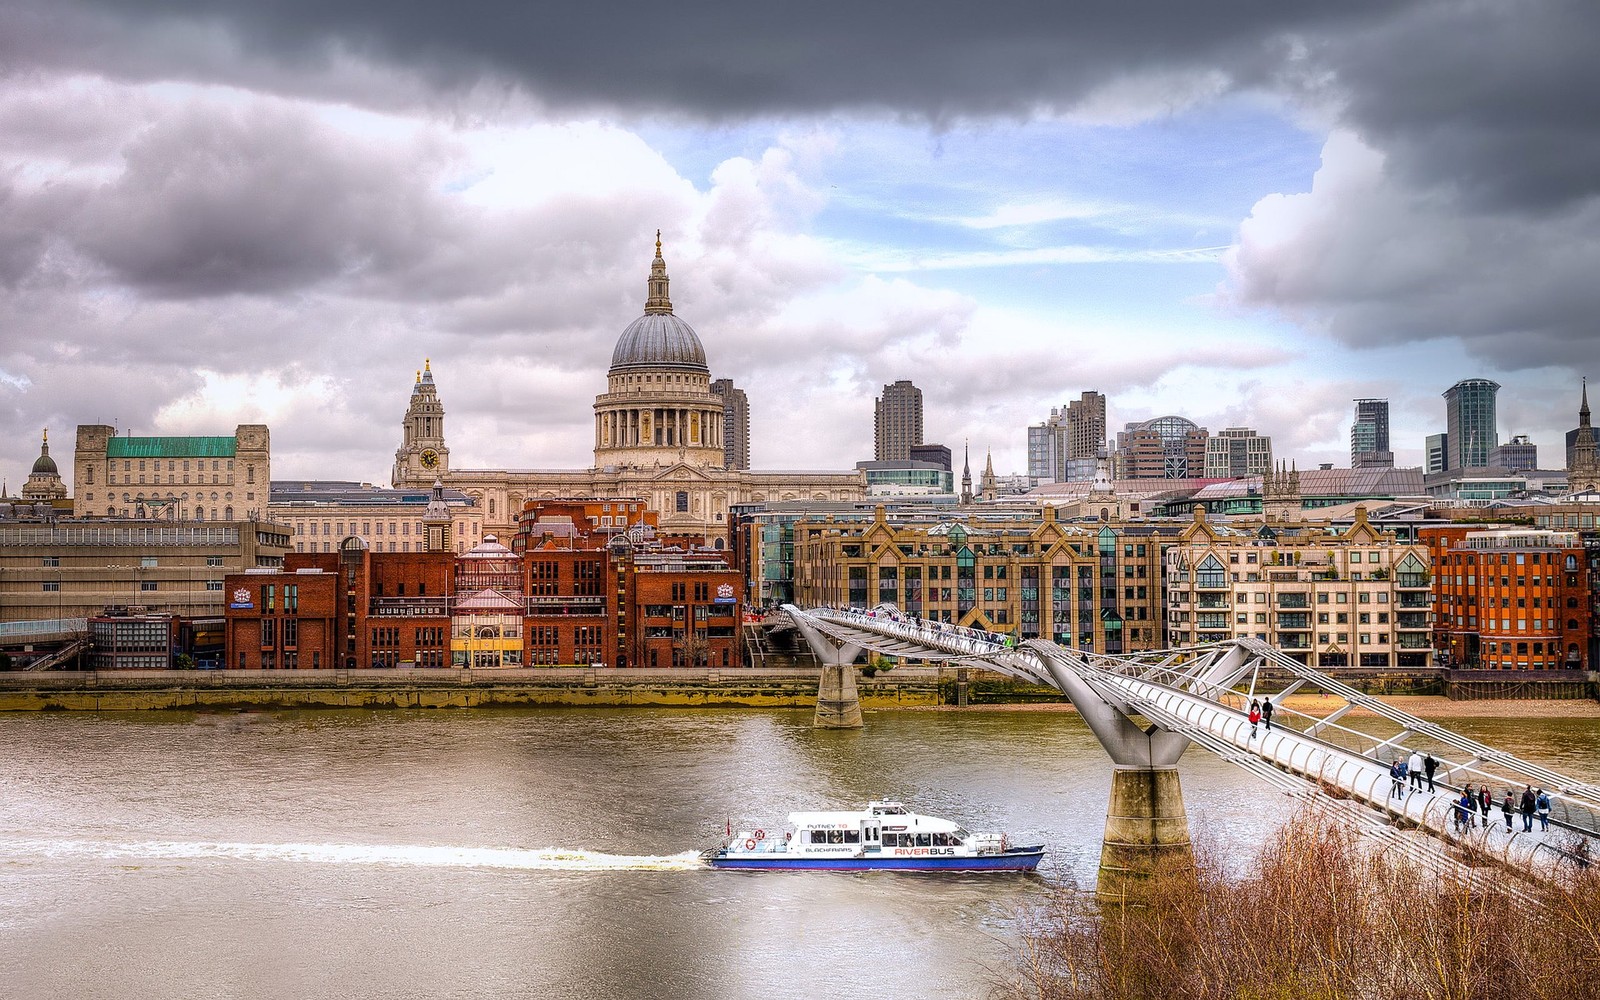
(1295, 600)
(1412, 642)
(1412, 620)
(1293, 641)
(1412, 581)
(1414, 600)
(1213, 602)
(1299, 622)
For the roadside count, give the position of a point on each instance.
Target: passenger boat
(884, 835)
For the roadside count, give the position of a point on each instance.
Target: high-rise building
(1519, 454)
(1236, 452)
(1436, 453)
(1169, 447)
(1369, 435)
(897, 422)
(1470, 423)
(735, 424)
(1064, 448)
(934, 454)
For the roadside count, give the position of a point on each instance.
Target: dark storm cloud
(932, 58)
(255, 200)
(1497, 102)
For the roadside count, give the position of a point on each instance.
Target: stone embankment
(107, 691)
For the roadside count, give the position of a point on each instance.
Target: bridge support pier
(838, 704)
(1147, 829)
(1147, 832)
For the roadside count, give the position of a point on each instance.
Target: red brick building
(1509, 599)
(571, 590)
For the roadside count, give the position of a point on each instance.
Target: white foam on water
(405, 855)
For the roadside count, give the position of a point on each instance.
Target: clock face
(430, 458)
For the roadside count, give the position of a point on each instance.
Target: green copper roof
(170, 447)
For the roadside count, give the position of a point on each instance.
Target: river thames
(547, 852)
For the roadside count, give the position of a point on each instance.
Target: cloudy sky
(1246, 213)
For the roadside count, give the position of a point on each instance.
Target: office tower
(897, 422)
(1369, 435)
(1519, 454)
(1064, 448)
(735, 424)
(1436, 453)
(1470, 423)
(934, 454)
(1236, 452)
(1169, 447)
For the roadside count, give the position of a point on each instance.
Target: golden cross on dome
(658, 242)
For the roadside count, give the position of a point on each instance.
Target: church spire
(658, 301)
(1583, 410)
(966, 472)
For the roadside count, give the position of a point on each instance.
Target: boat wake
(401, 855)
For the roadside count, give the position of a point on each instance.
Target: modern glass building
(1369, 434)
(1470, 423)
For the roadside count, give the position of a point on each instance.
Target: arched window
(227, 513)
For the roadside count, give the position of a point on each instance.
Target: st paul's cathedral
(657, 437)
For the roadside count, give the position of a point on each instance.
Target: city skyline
(1246, 218)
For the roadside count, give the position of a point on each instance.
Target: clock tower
(422, 456)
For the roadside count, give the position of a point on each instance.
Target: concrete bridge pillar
(838, 704)
(1147, 831)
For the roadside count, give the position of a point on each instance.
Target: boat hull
(1017, 859)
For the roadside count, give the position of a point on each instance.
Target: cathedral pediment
(680, 471)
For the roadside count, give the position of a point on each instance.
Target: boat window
(835, 836)
(960, 835)
(852, 836)
(924, 840)
(941, 840)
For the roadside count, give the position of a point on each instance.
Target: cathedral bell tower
(422, 456)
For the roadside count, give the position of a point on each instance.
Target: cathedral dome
(659, 339)
(44, 465)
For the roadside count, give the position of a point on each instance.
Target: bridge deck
(1337, 760)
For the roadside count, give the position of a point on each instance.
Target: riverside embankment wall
(109, 691)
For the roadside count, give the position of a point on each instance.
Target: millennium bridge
(1147, 708)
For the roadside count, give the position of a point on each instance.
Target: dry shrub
(1319, 915)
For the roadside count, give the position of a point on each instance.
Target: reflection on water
(408, 854)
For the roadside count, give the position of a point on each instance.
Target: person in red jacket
(1255, 717)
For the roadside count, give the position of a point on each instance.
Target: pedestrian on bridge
(1266, 712)
(1255, 717)
(1541, 801)
(1397, 779)
(1414, 771)
(1468, 806)
(1527, 804)
(1508, 807)
(1430, 765)
(1485, 800)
